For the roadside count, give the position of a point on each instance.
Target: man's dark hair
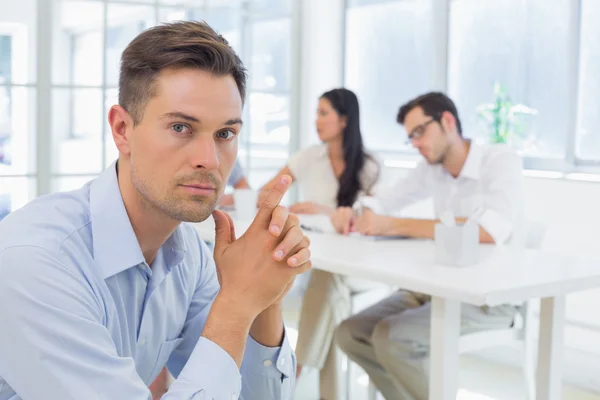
(186, 44)
(433, 105)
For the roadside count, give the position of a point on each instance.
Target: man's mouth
(200, 189)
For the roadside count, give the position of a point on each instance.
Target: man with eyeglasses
(390, 340)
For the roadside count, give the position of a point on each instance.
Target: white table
(503, 275)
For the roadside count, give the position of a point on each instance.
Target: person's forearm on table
(425, 228)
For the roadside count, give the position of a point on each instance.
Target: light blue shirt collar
(110, 221)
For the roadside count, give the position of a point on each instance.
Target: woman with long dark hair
(332, 174)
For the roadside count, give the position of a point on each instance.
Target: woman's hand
(342, 220)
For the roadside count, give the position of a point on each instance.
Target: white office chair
(520, 331)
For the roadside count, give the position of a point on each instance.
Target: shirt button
(142, 342)
(282, 362)
(267, 363)
(234, 397)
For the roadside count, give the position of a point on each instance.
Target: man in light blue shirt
(103, 286)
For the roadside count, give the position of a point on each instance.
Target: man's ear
(448, 122)
(121, 124)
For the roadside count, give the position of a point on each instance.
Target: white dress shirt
(314, 173)
(489, 188)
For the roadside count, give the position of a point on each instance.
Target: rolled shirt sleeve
(503, 196)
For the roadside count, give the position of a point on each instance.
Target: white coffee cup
(245, 203)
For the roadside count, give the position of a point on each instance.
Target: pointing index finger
(273, 199)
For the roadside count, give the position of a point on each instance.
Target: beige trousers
(390, 340)
(327, 302)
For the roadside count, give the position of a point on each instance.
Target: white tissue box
(457, 245)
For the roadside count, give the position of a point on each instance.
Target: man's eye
(226, 134)
(179, 128)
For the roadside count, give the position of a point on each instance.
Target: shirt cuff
(269, 361)
(213, 370)
(499, 228)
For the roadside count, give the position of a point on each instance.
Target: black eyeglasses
(419, 130)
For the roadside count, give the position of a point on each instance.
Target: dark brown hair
(186, 44)
(433, 105)
(345, 103)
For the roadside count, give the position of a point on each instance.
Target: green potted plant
(503, 118)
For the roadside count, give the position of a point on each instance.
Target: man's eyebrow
(190, 118)
(233, 121)
(177, 114)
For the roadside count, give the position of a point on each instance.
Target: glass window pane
(522, 45)
(111, 97)
(18, 44)
(78, 43)
(87, 58)
(125, 22)
(68, 183)
(227, 22)
(77, 127)
(258, 177)
(269, 120)
(17, 131)
(171, 14)
(230, 3)
(269, 64)
(261, 159)
(268, 7)
(388, 55)
(588, 136)
(5, 58)
(224, 20)
(353, 3)
(15, 193)
(193, 3)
